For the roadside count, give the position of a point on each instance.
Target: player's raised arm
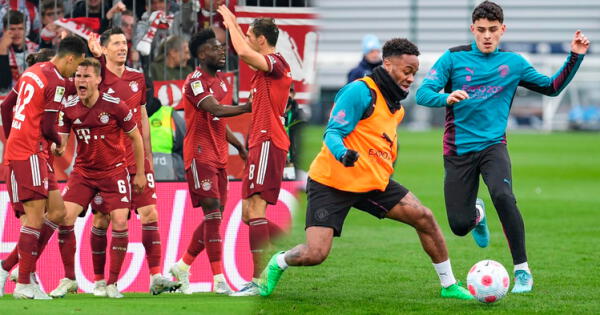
(552, 86)
(238, 39)
(211, 105)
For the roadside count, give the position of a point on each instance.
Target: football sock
(182, 265)
(480, 214)
(259, 237)
(444, 272)
(11, 260)
(522, 266)
(212, 240)
(28, 252)
(98, 241)
(118, 249)
(281, 261)
(151, 242)
(67, 246)
(196, 245)
(48, 229)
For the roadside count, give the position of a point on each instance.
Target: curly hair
(200, 39)
(398, 47)
(488, 10)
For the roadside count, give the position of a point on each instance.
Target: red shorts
(263, 172)
(18, 206)
(116, 193)
(205, 181)
(138, 200)
(28, 179)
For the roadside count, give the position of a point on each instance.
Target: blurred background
(539, 29)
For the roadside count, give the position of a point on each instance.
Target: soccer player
(128, 85)
(54, 197)
(480, 81)
(40, 89)
(354, 169)
(206, 152)
(268, 142)
(98, 120)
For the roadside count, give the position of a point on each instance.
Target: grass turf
(378, 267)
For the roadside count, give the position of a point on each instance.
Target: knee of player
(503, 197)
(210, 204)
(461, 226)
(148, 215)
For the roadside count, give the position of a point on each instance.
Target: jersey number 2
(25, 94)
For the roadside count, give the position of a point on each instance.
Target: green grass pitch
(378, 267)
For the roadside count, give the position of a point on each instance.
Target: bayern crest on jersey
(206, 184)
(98, 199)
(103, 117)
(134, 86)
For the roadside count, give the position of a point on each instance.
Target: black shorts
(329, 207)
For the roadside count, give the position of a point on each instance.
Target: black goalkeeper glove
(349, 158)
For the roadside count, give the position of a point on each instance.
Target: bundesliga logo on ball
(488, 281)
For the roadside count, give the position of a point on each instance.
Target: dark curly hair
(200, 39)
(398, 47)
(488, 10)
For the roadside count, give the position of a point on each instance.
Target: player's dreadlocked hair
(488, 10)
(45, 54)
(398, 47)
(200, 39)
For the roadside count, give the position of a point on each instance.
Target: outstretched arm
(552, 86)
(238, 39)
(436, 79)
(211, 105)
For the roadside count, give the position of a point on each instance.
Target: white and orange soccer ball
(488, 281)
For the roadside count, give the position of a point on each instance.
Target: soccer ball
(488, 281)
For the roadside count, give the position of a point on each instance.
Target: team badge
(206, 184)
(104, 117)
(98, 199)
(134, 86)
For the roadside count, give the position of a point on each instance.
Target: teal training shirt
(491, 81)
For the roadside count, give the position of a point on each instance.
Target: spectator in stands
(371, 48)
(93, 8)
(128, 21)
(171, 63)
(160, 21)
(32, 20)
(50, 11)
(14, 49)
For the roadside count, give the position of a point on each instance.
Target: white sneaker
(183, 277)
(65, 286)
(99, 288)
(24, 291)
(220, 285)
(249, 289)
(112, 292)
(160, 284)
(38, 293)
(3, 276)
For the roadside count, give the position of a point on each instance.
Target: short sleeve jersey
(270, 95)
(131, 89)
(206, 135)
(98, 131)
(40, 88)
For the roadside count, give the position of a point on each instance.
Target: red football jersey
(270, 90)
(206, 135)
(41, 88)
(131, 89)
(98, 131)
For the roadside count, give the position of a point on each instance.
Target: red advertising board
(177, 222)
